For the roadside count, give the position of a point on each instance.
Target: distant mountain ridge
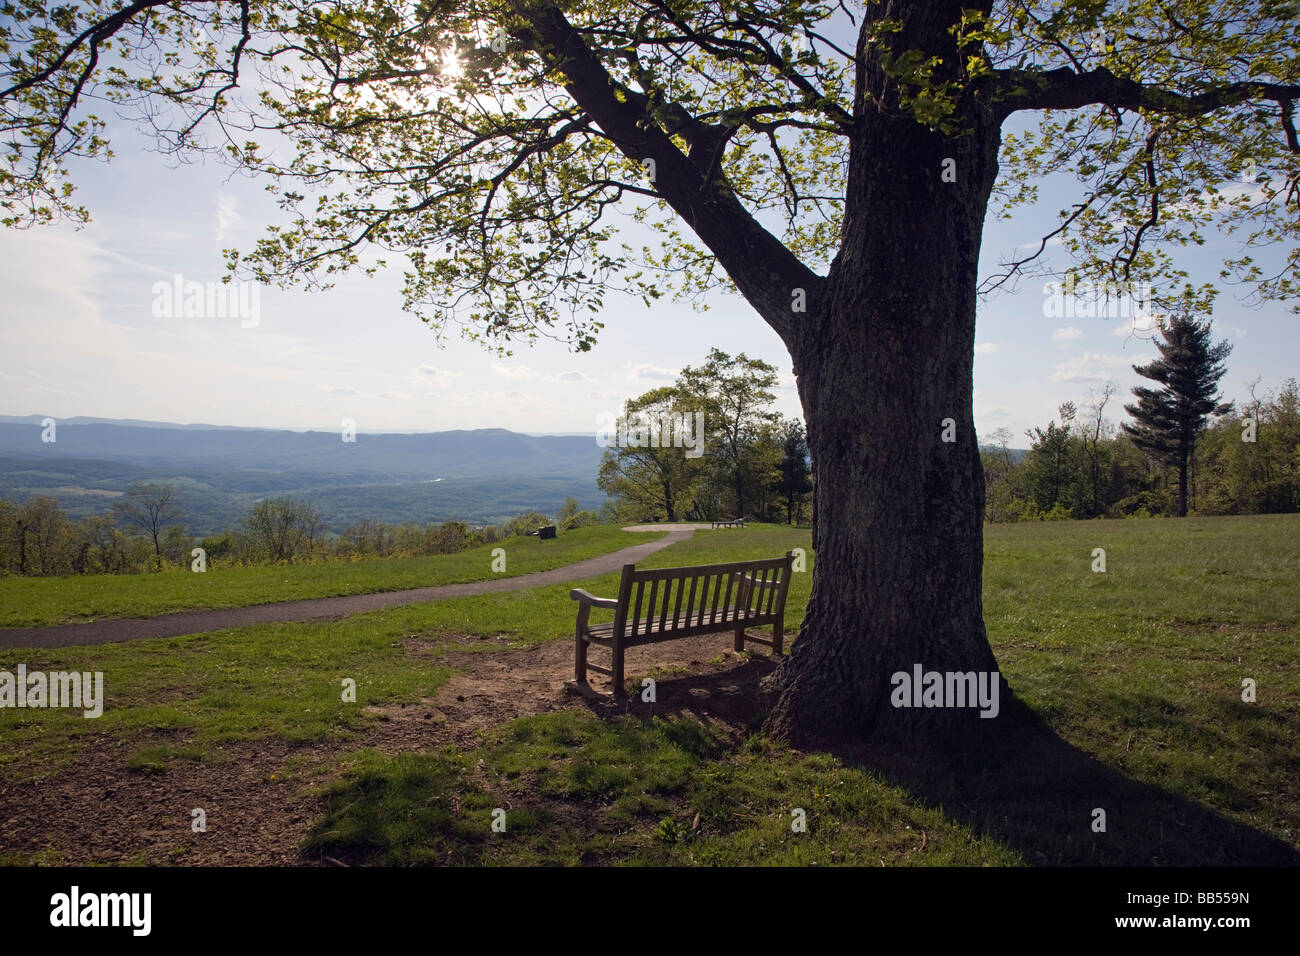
(486, 474)
(200, 426)
(87, 420)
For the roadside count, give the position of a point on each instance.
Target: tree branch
(1064, 89)
(764, 270)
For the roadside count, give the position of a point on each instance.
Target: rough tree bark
(897, 510)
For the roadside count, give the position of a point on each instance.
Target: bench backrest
(693, 600)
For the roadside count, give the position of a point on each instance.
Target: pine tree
(1169, 419)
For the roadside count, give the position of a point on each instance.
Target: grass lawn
(631, 791)
(29, 602)
(1132, 680)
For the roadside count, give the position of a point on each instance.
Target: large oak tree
(834, 163)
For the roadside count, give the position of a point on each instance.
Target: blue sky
(79, 335)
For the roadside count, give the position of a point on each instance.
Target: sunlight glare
(451, 65)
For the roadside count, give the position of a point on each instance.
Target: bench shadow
(1016, 781)
(732, 696)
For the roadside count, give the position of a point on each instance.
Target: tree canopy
(706, 447)
(493, 147)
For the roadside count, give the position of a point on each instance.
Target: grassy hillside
(1132, 680)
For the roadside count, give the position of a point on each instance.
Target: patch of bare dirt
(259, 798)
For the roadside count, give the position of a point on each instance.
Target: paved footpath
(115, 630)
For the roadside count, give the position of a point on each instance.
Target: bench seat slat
(731, 582)
(677, 607)
(648, 630)
(654, 598)
(704, 600)
(636, 612)
(726, 615)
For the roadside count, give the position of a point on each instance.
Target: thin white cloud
(1067, 335)
(1036, 243)
(1089, 367)
(572, 377)
(985, 348)
(646, 370)
(997, 412)
(1142, 325)
(513, 372)
(432, 375)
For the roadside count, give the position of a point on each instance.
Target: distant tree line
(753, 463)
(143, 533)
(1246, 460)
(1184, 452)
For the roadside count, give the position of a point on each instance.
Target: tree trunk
(897, 510)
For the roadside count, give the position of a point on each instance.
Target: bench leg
(778, 637)
(617, 667)
(580, 658)
(742, 609)
(580, 645)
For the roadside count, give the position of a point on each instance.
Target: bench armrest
(578, 594)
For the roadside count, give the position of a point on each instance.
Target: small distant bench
(683, 602)
(729, 523)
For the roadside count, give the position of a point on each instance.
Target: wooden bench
(729, 523)
(682, 602)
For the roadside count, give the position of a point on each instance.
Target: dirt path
(261, 798)
(316, 609)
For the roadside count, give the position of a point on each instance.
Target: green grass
(1138, 670)
(1142, 666)
(29, 602)
(183, 697)
(578, 790)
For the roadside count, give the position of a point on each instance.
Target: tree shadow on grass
(1020, 782)
(1013, 779)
